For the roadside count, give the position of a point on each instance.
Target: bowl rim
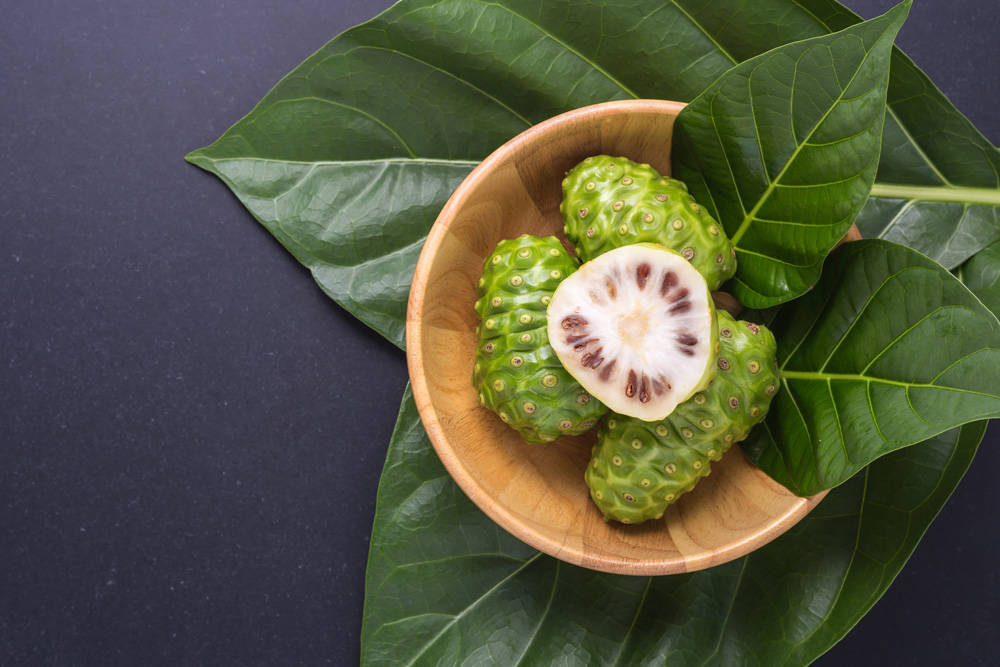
(428, 415)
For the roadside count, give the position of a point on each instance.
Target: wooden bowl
(537, 492)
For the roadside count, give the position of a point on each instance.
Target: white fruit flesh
(636, 327)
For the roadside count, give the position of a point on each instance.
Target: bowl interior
(537, 492)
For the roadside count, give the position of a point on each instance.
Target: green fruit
(741, 391)
(610, 202)
(516, 371)
(639, 468)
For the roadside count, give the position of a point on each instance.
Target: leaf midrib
(888, 107)
(817, 376)
(704, 31)
(566, 46)
(772, 183)
(859, 516)
(635, 617)
(446, 72)
(729, 613)
(472, 605)
(948, 192)
(199, 155)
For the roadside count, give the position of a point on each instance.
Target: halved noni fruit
(637, 329)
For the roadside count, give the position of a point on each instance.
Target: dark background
(191, 434)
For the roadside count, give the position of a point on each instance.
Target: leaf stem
(941, 193)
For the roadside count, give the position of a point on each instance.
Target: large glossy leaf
(387, 117)
(783, 150)
(446, 586)
(938, 183)
(888, 350)
(938, 188)
(357, 225)
(981, 274)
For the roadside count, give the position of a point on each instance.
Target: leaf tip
(899, 12)
(198, 159)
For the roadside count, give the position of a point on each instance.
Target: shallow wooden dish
(537, 492)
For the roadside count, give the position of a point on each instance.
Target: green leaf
(981, 274)
(342, 220)
(446, 585)
(938, 188)
(419, 94)
(938, 184)
(783, 150)
(889, 349)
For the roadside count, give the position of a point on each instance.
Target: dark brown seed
(571, 321)
(642, 275)
(659, 388)
(592, 359)
(686, 351)
(681, 307)
(687, 339)
(630, 385)
(583, 344)
(572, 338)
(680, 295)
(669, 281)
(644, 389)
(606, 373)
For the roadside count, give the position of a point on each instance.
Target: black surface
(191, 434)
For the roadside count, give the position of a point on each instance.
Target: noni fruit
(639, 468)
(609, 202)
(637, 328)
(516, 372)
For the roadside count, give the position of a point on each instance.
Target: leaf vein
(423, 649)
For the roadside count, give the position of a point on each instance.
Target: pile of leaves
(795, 131)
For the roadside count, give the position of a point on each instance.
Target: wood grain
(537, 492)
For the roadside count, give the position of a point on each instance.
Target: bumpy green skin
(638, 468)
(610, 202)
(517, 373)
